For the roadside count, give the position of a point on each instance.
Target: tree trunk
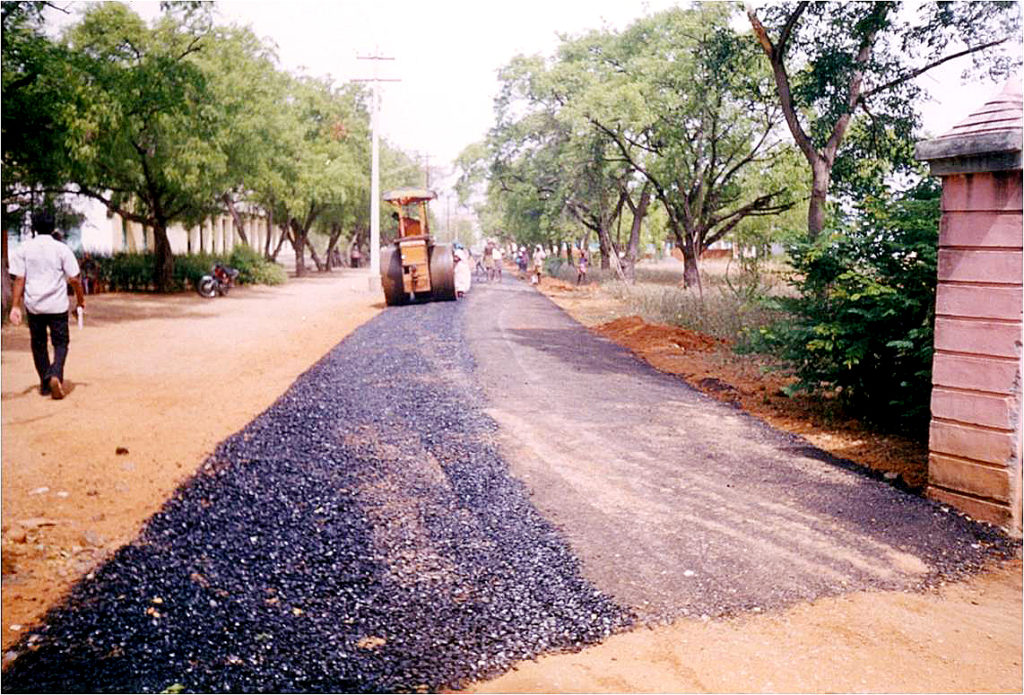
(236, 218)
(332, 243)
(298, 239)
(352, 243)
(691, 266)
(270, 233)
(320, 267)
(285, 236)
(5, 277)
(612, 256)
(602, 241)
(164, 257)
(632, 252)
(821, 174)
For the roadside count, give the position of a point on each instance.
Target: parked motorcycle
(219, 281)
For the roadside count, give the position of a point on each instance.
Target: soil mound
(636, 334)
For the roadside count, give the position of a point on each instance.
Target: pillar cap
(989, 139)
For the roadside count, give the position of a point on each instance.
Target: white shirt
(46, 264)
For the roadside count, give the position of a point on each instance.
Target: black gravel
(363, 534)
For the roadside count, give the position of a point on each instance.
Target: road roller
(414, 268)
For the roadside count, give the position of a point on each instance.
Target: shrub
(189, 268)
(254, 269)
(863, 323)
(135, 272)
(126, 272)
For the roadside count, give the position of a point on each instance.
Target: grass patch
(722, 314)
(731, 307)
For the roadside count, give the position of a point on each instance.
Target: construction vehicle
(414, 268)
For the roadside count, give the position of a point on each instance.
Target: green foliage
(170, 121)
(847, 79)
(862, 325)
(254, 269)
(35, 95)
(581, 139)
(136, 272)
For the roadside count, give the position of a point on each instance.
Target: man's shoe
(56, 388)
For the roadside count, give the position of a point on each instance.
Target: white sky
(447, 54)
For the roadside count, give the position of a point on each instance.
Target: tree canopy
(176, 120)
(834, 62)
(615, 120)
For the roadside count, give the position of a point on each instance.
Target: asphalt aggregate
(362, 534)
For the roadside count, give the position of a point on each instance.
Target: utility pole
(375, 166)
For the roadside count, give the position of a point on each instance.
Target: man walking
(43, 267)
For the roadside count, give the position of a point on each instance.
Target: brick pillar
(975, 441)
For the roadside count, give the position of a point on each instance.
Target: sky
(447, 54)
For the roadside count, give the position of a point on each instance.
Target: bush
(862, 326)
(126, 272)
(254, 269)
(189, 268)
(135, 272)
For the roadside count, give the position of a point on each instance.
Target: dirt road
(681, 505)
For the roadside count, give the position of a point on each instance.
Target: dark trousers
(59, 336)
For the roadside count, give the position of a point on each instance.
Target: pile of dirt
(638, 335)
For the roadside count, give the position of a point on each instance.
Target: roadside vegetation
(781, 138)
(135, 272)
(176, 121)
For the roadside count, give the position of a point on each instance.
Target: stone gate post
(974, 460)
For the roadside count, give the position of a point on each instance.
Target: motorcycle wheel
(207, 287)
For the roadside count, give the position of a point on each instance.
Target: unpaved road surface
(457, 487)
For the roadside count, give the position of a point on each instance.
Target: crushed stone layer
(363, 534)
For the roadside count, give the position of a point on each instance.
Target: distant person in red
(42, 268)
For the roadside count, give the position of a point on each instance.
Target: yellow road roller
(414, 268)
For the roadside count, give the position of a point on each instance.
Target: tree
(146, 142)
(831, 61)
(696, 146)
(242, 78)
(326, 139)
(35, 95)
